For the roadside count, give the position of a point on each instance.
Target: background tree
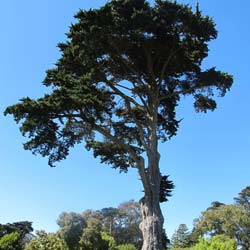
(181, 237)
(11, 241)
(47, 241)
(109, 219)
(122, 73)
(129, 219)
(91, 238)
(123, 223)
(71, 228)
(243, 199)
(18, 232)
(228, 220)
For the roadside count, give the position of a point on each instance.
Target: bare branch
(121, 86)
(121, 94)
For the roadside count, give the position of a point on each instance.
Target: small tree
(122, 73)
(181, 237)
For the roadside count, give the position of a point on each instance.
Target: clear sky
(208, 160)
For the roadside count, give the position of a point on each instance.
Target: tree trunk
(152, 218)
(151, 225)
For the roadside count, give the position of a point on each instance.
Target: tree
(71, 228)
(109, 219)
(122, 73)
(129, 219)
(243, 199)
(9, 232)
(229, 220)
(110, 241)
(11, 241)
(47, 241)
(181, 237)
(92, 237)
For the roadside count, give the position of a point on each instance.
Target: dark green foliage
(117, 60)
(165, 240)
(166, 188)
(243, 198)
(71, 228)
(22, 227)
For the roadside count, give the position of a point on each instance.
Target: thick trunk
(151, 225)
(152, 219)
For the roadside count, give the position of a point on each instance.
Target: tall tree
(122, 73)
(71, 228)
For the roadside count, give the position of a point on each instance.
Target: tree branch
(172, 53)
(120, 93)
(186, 91)
(140, 128)
(114, 139)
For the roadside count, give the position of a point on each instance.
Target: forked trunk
(151, 225)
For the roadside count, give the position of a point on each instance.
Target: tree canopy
(118, 61)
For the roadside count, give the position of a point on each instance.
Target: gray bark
(151, 226)
(152, 218)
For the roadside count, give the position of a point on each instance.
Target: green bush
(45, 241)
(218, 242)
(126, 247)
(110, 241)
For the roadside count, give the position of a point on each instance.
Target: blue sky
(208, 160)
